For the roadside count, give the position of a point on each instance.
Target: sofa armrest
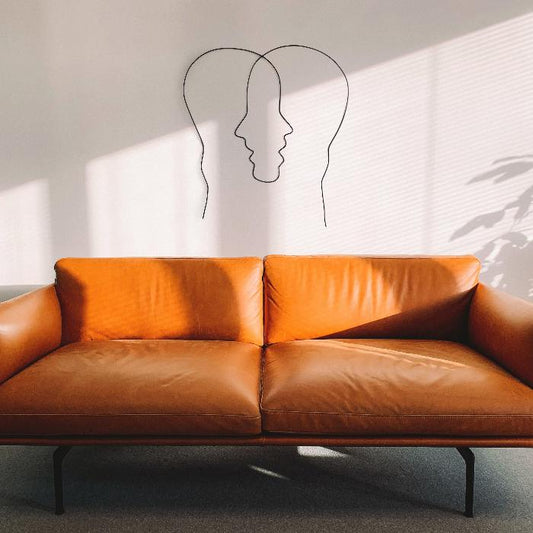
(30, 327)
(501, 327)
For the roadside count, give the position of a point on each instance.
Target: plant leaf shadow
(505, 257)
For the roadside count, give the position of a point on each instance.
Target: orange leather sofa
(289, 350)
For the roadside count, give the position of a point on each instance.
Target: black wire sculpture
(263, 57)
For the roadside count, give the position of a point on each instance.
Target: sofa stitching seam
(128, 414)
(279, 411)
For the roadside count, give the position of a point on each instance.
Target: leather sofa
(289, 350)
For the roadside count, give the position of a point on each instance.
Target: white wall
(98, 156)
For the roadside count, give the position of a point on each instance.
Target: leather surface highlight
(30, 327)
(501, 327)
(391, 387)
(155, 387)
(309, 297)
(143, 298)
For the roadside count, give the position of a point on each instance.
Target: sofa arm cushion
(30, 327)
(501, 327)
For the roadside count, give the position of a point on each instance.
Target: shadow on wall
(507, 258)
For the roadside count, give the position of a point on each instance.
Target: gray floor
(265, 489)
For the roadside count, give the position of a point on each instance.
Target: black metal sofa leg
(59, 455)
(469, 458)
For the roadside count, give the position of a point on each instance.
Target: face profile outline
(260, 57)
(241, 125)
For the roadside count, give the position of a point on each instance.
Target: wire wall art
(237, 132)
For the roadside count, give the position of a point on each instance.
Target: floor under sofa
(129, 488)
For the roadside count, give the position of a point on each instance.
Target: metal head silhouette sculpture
(260, 172)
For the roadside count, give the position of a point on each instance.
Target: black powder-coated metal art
(263, 57)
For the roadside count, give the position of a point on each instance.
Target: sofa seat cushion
(156, 387)
(391, 387)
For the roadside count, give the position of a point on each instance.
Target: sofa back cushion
(142, 298)
(308, 297)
